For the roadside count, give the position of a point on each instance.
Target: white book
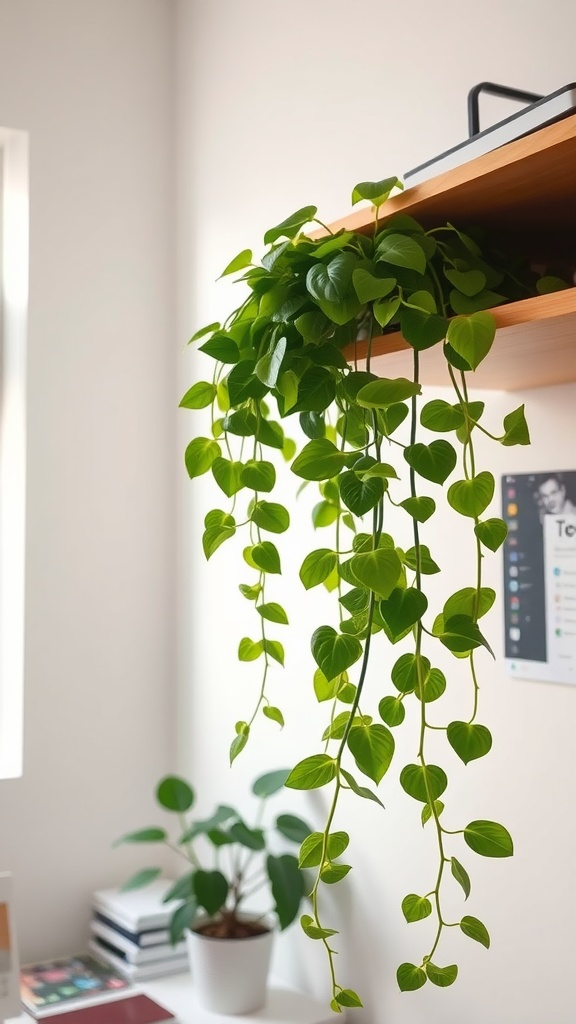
(137, 909)
(134, 953)
(139, 972)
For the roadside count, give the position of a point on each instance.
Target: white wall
(91, 80)
(282, 105)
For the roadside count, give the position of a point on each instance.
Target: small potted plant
(228, 861)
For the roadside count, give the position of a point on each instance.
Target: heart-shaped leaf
(333, 652)
(402, 609)
(469, 282)
(319, 460)
(441, 976)
(471, 497)
(516, 428)
(259, 476)
(317, 567)
(373, 749)
(441, 416)
(472, 336)
(228, 475)
(381, 393)
(290, 227)
(423, 782)
(469, 740)
(416, 908)
(402, 251)
(377, 570)
(433, 461)
(210, 889)
(369, 287)
(410, 977)
(470, 601)
(330, 284)
(360, 495)
(419, 507)
(265, 556)
(376, 192)
(492, 533)
(391, 711)
(271, 516)
(199, 396)
(200, 455)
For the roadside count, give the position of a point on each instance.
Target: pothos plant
(279, 355)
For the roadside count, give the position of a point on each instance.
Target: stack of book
(130, 932)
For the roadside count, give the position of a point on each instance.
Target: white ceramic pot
(230, 975)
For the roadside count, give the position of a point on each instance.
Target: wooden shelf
(524, 194)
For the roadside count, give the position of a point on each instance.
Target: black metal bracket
(493, 90)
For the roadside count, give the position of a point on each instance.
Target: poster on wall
(540, 575)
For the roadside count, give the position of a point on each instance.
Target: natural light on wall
(13, 323)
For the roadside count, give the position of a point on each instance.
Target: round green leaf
(410, 977)
(434, 686)
(420, 507)
(228, 475)
(259, 476)
(317, 567)
(249, 650)
(332, 652)
(331, 873)
(472, 497)
(423, 782)
(489, 839)
(391, 710)
(200, 455)
(441, 416)
(409, 672)
(293, 828)
(402, 251)
(319, 460)
(472, 336)
(492, 533)
(421, 329)
(433, 461)
(373, 749)
(474, 929)
(441, 976)
(175, 794)
(312, 773)
(311, 849)
(377, 570)
(271, 516)
(416, 908)
(469, 740)
(265, 556)
(270, 783)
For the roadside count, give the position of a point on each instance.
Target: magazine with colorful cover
(50, 986)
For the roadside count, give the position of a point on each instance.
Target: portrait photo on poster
(540, 575)
(10, 1005)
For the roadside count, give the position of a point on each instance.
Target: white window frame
(13, 334)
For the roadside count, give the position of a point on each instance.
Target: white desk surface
(176, 993)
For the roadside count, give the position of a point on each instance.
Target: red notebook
(130, 1010)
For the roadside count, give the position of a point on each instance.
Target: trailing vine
(282, 349)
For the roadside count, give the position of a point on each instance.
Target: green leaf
(461, 634)
(251, 838)
(312, 773)
(143, 835)
(474, 929)
(402, 609)
(240, 740)
(409, 671)
(333, 652)
(461, 876)
(381, 393)
(240, 262)
(385, 310)
(175, 794)
(469, 282)
(410, 977)
(228, 475)
(324, 514)
(377, 570)
(489, 839)
(273, 612)
(423, 559)
(423, 782)
(141, 878)
(427, 811)
(182, 919)
(420, 329)
(274, 714)
(471, 497)
(472, 336)
(331, 873)
(244, 384)
(360, 496)
(317, 567)
(466, 306)
(378, 470)
(265, 556)
(290, 227)
(313, 326)
(441, 976)
(402, 251)
(547, 284)
(221, 347)
(314, 931)
(433, 461)
(330, 284)
(516, 428)
(204, 331)
(369, 287)
(311, 850)
(199, 396)
(433, 687)
(469, 740)
(420, 508)
(492, 533)
(200, 455)
(287, 883)
(270, 516)
(259, 476)
(270, 783)
(470, 602)
(249, 650)
(348, 997)
(268, 366)
(441, 416)
(313, 424)
(376, 192)
(319, 460)
(293, 828)
(361, 791)
(416, 908)
(210, 889)
(287, 385)
(219, 527)
(373, 749)
(242, 423)
(391, 711)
